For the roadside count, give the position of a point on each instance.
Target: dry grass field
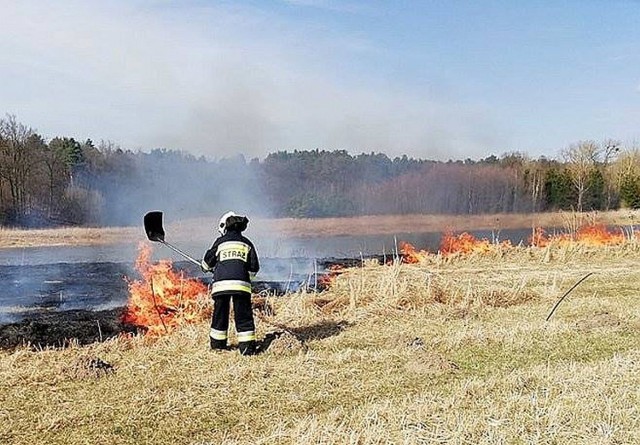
(453, 350)
(203, 228)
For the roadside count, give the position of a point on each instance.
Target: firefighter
(233, 261)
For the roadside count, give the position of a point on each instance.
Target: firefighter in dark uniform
(234, 261)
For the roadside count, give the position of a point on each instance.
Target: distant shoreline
(202, 228)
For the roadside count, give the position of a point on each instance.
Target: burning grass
(453, 349)
(164, 300)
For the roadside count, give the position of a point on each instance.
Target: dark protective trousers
(243, 317)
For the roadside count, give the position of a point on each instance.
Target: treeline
(589, 176)
(64, 181)
(68, 182)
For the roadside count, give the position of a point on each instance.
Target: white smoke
(216, 80)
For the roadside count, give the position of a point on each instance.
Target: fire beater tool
(155, 232)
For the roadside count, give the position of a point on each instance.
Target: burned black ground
(58, 329)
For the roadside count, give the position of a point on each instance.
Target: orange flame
(464, 243)
(327, 279)
(594, 235)
(164, 299)
(411, 255)
(467, 243)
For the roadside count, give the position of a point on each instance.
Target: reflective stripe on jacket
(233, 259)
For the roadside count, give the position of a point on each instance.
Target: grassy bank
(452, 350)
(204, 228)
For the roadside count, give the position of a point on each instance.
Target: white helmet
(222, 224)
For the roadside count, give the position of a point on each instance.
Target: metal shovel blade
(153, 226)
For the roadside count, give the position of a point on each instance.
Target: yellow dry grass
(451, 351)
(69, 236)
(394, 224)
(204, 228)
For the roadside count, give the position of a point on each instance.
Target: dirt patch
(425, 362)
(283, 343)
(604, 320)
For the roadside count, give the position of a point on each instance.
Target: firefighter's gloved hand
(204, 266)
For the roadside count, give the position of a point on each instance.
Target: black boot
(218, 344)
(247, 347)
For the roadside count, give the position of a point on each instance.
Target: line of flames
(165, 299)
(465, 243)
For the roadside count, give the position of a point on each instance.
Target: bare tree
(627, 164)
(3, 149)
(56, 163)
(610, 151)
(18, 156)
(582, 159)
(625, 171)
(534, 177)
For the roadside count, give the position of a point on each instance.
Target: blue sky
(433, 79)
